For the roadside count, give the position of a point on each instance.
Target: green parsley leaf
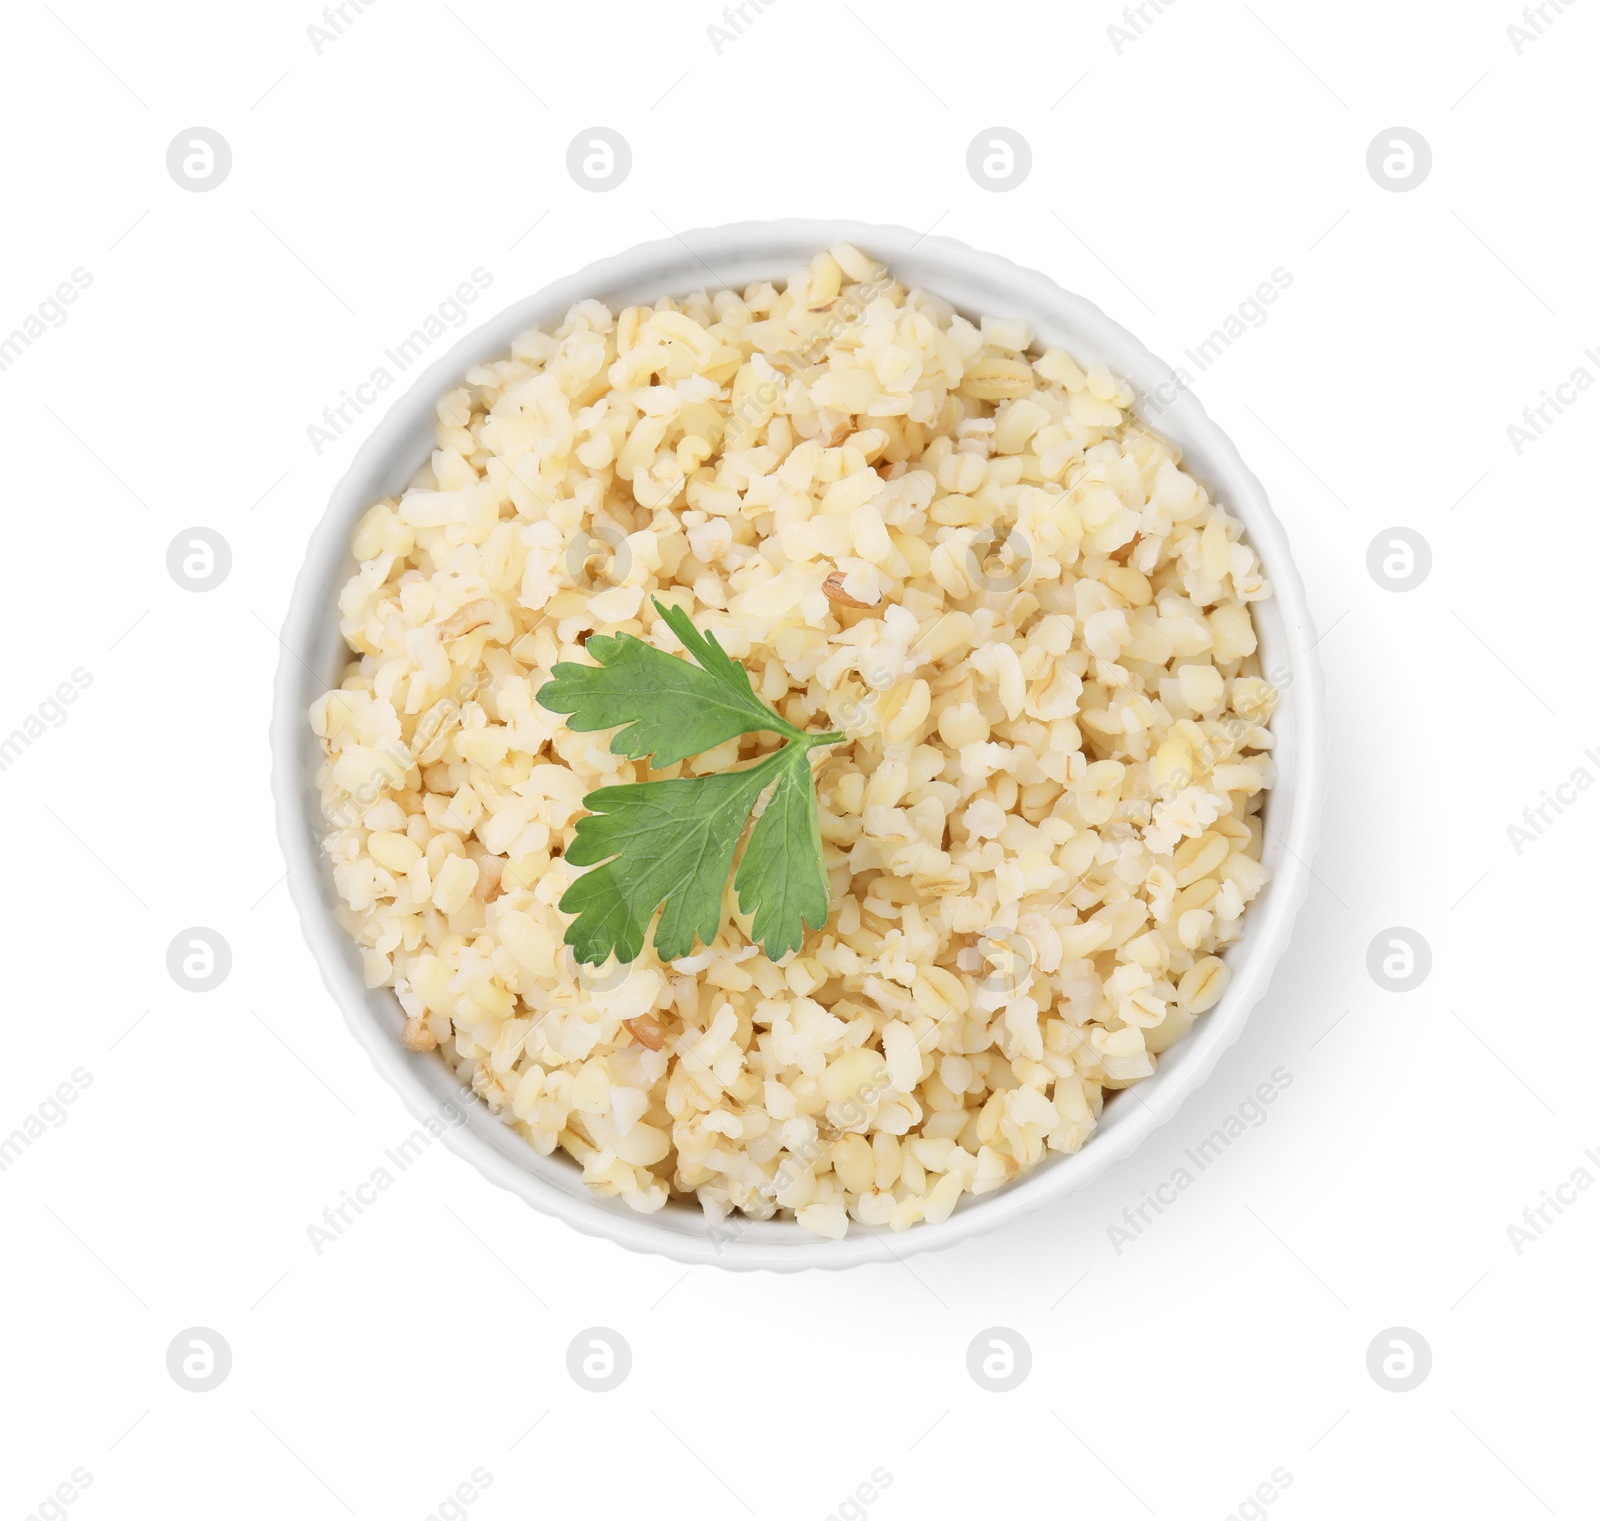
(655, 843)
(669, 709)
(668, 846)
(782, 875)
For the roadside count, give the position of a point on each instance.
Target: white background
(1168, 180)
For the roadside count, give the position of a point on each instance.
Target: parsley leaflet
(669, 845)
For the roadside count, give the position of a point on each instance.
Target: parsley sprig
(669, 845)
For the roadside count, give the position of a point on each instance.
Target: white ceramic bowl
(976, 283)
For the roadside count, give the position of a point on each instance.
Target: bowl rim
(428, 1088)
